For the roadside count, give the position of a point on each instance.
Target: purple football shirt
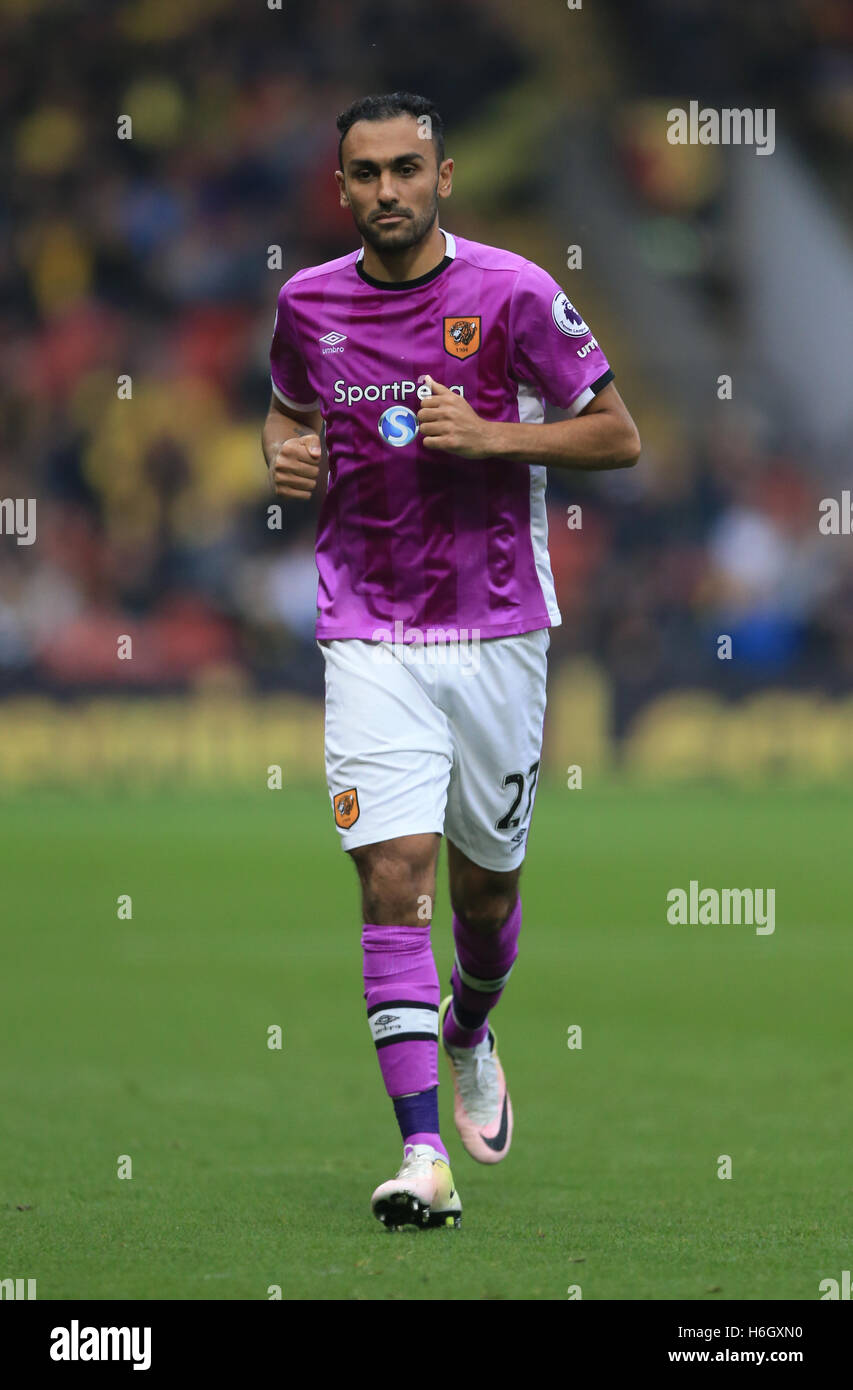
(415, 536)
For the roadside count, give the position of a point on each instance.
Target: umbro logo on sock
(384, 1019)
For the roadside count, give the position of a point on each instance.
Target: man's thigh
(388, 748)
(496, 715)
(398, 880)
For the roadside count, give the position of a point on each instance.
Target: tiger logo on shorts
(347, 808)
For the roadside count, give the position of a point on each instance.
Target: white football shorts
(444, 738)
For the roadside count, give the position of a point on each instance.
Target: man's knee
(398, 879)
(483, 899)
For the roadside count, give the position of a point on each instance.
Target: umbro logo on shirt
(331, 341)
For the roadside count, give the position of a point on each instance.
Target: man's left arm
(602, 436)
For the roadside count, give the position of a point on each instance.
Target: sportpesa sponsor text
(397, 390)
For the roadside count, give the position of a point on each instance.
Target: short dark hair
(384, 108)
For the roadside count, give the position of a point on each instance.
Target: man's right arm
(292, 449)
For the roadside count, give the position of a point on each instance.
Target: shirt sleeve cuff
(582, 401)
(294, 405)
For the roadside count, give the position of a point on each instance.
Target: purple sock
(402, 992)
(417, 1117)
(481, 969)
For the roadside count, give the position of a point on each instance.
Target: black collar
(403, 284)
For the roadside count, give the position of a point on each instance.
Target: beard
(402, 238)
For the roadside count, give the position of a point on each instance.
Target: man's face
(390, 182)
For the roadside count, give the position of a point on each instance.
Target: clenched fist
(447, 422)
(295, 468)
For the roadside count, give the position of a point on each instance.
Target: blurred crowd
(152, 259)
(796, 54)
(792, 56)
(671, 561)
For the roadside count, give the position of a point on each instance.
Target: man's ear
(342, 188)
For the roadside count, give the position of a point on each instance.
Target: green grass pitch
(253, 1167)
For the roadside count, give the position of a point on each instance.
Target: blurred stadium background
(150, 257)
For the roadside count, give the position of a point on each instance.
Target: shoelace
(478, 1087)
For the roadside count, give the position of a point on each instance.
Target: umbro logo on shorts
(347, 809)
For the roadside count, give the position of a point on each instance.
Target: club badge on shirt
(462, 336)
